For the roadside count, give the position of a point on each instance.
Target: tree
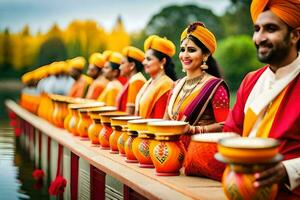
(52, 50)
(237, 56)
(7, 50)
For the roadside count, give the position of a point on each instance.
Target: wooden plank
(141, 180)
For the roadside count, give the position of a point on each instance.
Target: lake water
(16, 167)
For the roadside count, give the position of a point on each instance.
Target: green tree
(52, 50)
(240, 10)
(7, 50)
(237, 56)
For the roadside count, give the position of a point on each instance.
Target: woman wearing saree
(131, 68)
(152, 98)
(201, 98)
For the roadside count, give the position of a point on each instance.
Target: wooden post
(97, 183)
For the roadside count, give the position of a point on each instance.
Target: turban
(162, 45)
(115, 57)
(39, 73)
(203, 35)
(97, 59)
(77, 63)
(133, 52)
(287, 10)
(27, 77)
(106, 54)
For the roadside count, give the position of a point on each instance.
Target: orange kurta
(96, 88)
(151, 101)
(110, 93)
(80, 87)
(128, 95)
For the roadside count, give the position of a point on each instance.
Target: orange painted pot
(121, 142)
(238, 181)
(128, 147)
(107, 130)
(95, 128)
(238, 176)
(141, 144)
(84, 123)
(73, 123)
(166, 151)
(199, 158)
(118, 124)
(60, 110)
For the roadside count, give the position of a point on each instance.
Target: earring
(162, 67)
(183, 70)
(204, 65)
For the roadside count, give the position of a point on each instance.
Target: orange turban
(162, 45)
(97, 59)
(133, 52)
(115, 57)
(78, 63)
(204, 36)
(287, 10)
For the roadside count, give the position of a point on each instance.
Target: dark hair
(138, 65)
(213, 67)
(169, 67)
(115, 66)
(290, 29)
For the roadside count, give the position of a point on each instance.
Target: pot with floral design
(141, 144)
(245, 157)
(96, 126)
(166, 151)
(118, 124)
(107, 130)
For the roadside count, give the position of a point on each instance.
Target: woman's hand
(270, 176)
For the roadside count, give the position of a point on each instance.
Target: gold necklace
(188, 87)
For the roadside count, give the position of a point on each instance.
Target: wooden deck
(142, 181)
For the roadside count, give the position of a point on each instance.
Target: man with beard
(268, 99)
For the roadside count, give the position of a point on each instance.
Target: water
(16, 167)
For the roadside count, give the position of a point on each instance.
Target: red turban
(287, 10)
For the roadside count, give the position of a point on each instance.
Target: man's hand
(270, 176)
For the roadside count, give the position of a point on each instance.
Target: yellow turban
(97, 59)
(115, 57)
(162, 45)
(78, 63)
(204, 36)
(106, 54)
(133, 52)
(40, 73)
(27, 77)
(287, 10)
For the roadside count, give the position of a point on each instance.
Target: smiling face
(152, 64)
(191, 56)
(272, 39)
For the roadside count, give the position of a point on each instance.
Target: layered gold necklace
(187, 89)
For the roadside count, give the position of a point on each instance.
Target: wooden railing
(138, 182)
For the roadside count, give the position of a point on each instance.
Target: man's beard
(275, 55)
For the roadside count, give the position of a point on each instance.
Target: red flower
(38, 174)
(57, 186)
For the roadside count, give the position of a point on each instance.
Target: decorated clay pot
(166, 151)
(95, 128)
(199, 158)
(238, 176)
(75, 119)
(121, 142)
(107, 130)
(84, 122)
(141, 144)
(60, 110)
(118, 124)
(128, 147)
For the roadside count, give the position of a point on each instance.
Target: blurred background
(35, 33)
